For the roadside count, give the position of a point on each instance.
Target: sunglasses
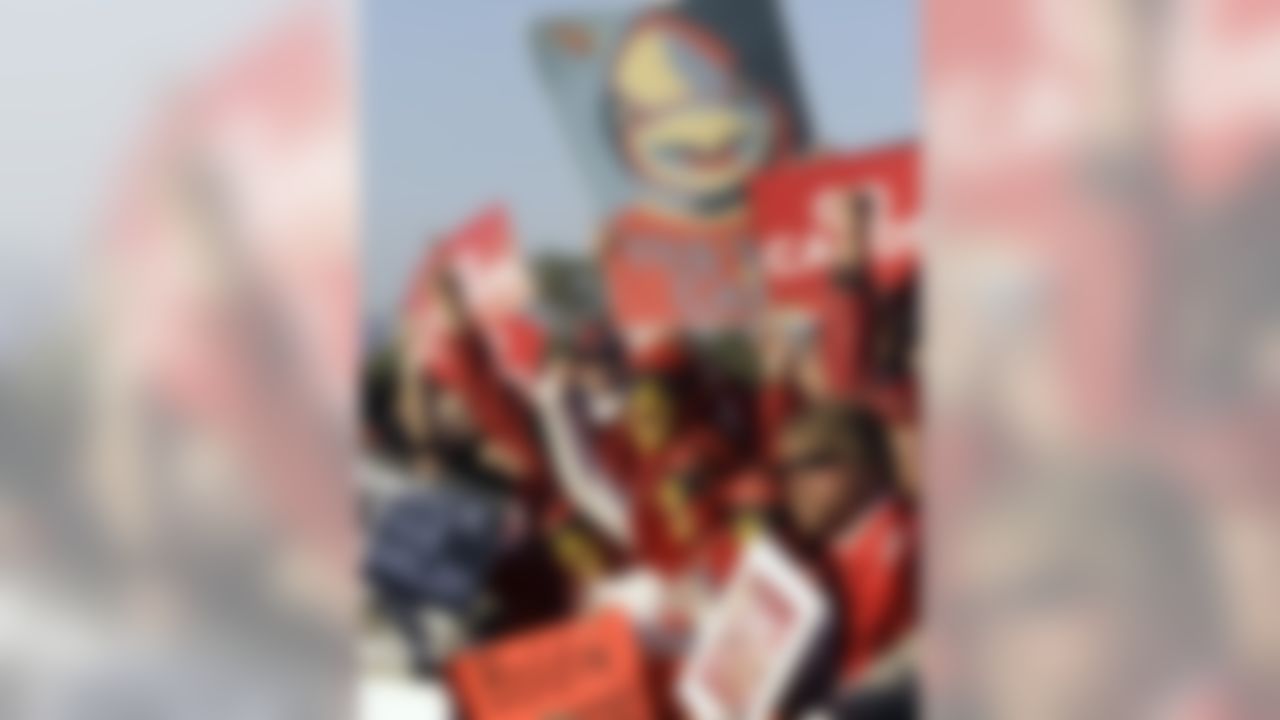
(808, 462)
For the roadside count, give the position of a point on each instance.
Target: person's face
(452, 416)
(904, 439)
(812, 377)
(411, 410)
(447, 303)
(817, 492)
(850, 221)
(831, 213)
(592, 374)
(650, 417)
(600, 390)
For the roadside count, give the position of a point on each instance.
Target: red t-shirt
(847, 317)
(668, 532)
(875, 564)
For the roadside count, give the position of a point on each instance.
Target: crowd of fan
(494, 506)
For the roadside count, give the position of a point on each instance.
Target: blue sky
(455, 117)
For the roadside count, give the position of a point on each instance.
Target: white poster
(752, 642)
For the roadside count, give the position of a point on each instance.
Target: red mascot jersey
(667, 272)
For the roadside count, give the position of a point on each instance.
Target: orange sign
(587, 669)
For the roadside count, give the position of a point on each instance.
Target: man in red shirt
(856, 532)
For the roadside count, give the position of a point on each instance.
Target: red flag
(790, 204)
(482, 256)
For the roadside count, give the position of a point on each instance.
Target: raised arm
(580, 477)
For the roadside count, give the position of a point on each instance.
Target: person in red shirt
(670, 459)
(860, 350)
(869, 336)
(846, 314)
(829, 357)
(649, 479)
(844, 518)
(528, 578)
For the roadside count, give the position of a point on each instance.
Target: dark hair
(896, 330)
(378, 386)
(853, 437)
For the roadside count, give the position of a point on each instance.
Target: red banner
(495, 284)
(792, 204)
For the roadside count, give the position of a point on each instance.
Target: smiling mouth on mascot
(683, 119)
